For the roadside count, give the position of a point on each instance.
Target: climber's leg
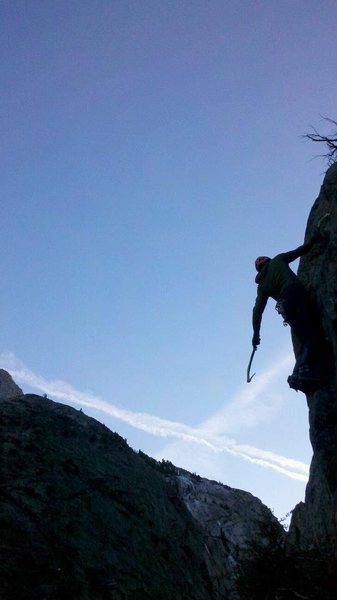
(301, 318)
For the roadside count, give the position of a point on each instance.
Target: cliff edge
(84, 517)
(313, 525)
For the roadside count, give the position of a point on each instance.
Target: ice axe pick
(249, 377)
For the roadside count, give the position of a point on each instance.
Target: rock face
(233, 523)
(313, 525)
(83, 516)
(8, 388)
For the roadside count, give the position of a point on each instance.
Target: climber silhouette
(275, 279)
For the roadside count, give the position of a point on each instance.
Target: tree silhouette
(329, 140)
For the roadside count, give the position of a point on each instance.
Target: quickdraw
(279, 307)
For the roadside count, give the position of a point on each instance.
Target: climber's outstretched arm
(293, 254)
(260, 305)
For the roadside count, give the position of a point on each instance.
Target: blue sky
(150, 151)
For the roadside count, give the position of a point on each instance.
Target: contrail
(252, 404)
(204, 436)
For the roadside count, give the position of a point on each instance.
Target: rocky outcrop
(314, 526)
(8, 387)
(235, 526)
(84, 517)
(306, 566)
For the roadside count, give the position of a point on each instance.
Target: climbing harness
(279, 307)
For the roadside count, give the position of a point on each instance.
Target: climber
(275, 279)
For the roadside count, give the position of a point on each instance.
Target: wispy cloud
(252, 404)
(209, 434)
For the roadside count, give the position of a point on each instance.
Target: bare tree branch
(330, 141)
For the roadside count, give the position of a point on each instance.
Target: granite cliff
(306, 566)
(313, 526)
(84, 517)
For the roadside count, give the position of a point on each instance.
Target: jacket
(274, 278)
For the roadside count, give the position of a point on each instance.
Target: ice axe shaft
(249, 377)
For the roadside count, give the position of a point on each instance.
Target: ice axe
(249, 378)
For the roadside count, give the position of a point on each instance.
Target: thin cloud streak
(205, 435)
(252, 404)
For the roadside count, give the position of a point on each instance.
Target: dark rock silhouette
(305, 566)
(85, 517)
(8, 388)
(313, 525)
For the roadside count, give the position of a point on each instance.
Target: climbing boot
(304, 381)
